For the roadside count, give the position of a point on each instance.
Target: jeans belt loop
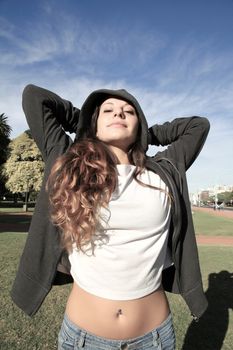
(156, 338)
(81, 339)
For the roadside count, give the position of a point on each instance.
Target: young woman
(112, 220)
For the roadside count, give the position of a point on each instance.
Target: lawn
(204, 222)
(9, 206)
(208, 224)
(19, 332)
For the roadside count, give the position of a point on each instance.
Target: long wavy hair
(82, 181)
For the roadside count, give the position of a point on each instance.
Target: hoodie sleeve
(184, 137)
(49, 117)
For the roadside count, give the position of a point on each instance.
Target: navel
(119, 312)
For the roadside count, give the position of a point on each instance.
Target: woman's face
(117, 123)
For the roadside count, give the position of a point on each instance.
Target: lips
(118, 125)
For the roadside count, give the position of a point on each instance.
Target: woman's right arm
(48, 117)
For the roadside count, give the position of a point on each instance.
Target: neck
(122, 156)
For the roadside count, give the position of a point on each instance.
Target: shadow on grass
(209, 333)
(10, 222)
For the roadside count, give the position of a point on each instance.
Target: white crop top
(131, 249)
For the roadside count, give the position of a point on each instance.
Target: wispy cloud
(67, 39)
(35, 46)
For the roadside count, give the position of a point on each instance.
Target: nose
(119, 113)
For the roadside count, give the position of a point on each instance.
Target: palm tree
(5, 131)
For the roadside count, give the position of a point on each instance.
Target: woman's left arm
(184, 137)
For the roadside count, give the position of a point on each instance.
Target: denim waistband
(82, 336)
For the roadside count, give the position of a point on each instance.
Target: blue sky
(175, 56)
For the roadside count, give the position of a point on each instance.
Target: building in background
(209, 195)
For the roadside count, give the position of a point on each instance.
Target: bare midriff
(116, 319)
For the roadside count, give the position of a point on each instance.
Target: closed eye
(129, 112)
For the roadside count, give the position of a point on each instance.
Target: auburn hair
(82, 181)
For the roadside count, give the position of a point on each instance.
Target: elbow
(28, 91)
(206, 125)
(31, 96)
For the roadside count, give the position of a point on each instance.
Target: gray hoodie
(43, 263)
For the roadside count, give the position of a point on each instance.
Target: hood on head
(97, 97)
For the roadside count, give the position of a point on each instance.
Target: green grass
(208, 224)
(14, 210)
(212, 332)
(205, 223)
(11, 207)
(19, 332)
(11, 210)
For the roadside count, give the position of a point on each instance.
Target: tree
(24, 167)
(225, 197)
(5, 131)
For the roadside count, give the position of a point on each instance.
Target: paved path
(15, 222)
(214, 240)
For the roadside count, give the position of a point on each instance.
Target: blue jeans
(71, 337)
